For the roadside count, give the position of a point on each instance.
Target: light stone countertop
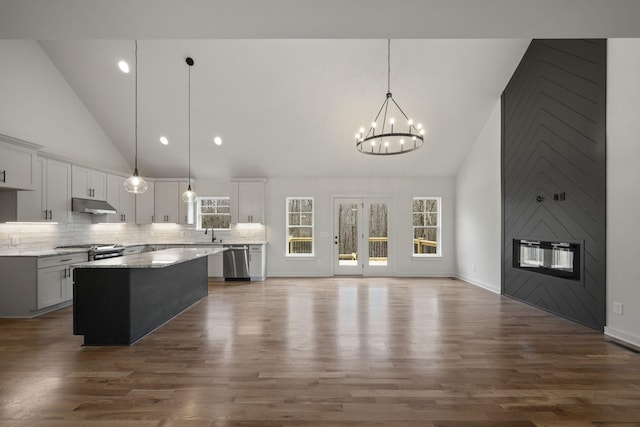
(156, 259)
(39, 253)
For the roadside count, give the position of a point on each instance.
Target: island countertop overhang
(156, 259)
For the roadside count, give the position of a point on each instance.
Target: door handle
(4, 176)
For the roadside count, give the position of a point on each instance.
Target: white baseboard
(480, 284)
(623, 336)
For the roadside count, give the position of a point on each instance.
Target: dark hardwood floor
(325, 352)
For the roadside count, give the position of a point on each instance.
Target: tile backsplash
(35, 236)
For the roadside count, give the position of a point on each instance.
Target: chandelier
(397, 133)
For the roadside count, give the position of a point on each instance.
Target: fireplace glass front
(560, 259)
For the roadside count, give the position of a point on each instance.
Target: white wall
(38, 105)
(478, 209)
(323, 190)
(623, 184)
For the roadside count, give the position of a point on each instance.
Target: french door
(361, 237)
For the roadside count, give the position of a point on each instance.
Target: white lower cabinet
(214, 266)
(34, 285)
(55, 279)
(257, 264)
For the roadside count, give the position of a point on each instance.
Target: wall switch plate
(15, 240)
(617, 307)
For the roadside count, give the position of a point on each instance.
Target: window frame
(312, 227)
(199, 211)
(438, 227)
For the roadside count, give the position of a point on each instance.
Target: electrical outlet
(617, 307)
(15, 240)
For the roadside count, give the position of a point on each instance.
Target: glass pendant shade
(135, 184)
(189, 196)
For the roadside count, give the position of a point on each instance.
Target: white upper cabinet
(89, 183)
(17, 164)
(58, 193)
(166, 201)
(123, 201)
(183, 208)
(247, 201)
(51, 198)
(145, 205)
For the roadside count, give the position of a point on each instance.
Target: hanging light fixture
(189, 196)
(397, 133)
(135, 184)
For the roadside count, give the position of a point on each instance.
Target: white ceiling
(287, 108)
(286, 83)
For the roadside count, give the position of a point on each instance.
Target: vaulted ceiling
(286, 83)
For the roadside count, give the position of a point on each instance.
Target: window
(213, 212)
(299, 226)
(426, 226)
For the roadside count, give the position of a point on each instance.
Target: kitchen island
(117, 301)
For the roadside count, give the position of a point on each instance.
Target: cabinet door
(58, 191)
(51, 289)
(214, 266)
(31, 204)
(67, 284)
(184, 209)
(166, 202)
(89, 183)
(257, 202)
(160, 202)
(249, 201)
(98, 185)
(114, 183)
(16, 167)
(256, 262)
(127, 205)
(145, 205)
(80, 182)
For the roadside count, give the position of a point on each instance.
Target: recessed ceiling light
(217, 140)
(124, 67)
(164, 140)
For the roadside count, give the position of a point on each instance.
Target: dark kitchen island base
(119, 306)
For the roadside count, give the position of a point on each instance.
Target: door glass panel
(378, 235)
(348, 234)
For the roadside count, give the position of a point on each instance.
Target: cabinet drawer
(53, 261)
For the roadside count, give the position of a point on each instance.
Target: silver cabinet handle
(4, 176)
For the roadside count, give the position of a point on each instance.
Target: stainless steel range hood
(91, 206)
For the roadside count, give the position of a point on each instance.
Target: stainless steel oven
(98, 251)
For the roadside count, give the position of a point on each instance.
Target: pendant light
(189, 196)
(394, 137)
(135, 184)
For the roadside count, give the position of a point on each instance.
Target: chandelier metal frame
(390, 140)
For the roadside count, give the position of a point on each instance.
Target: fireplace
(560, 259)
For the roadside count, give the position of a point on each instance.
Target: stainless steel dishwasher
(235, 262)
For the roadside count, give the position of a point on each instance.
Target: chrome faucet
(213, 237)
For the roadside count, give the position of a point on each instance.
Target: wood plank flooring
(325, 352)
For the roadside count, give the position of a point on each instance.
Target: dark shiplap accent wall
(553, 140)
